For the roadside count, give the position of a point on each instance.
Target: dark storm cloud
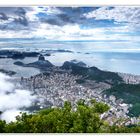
(76, 15)
(21, 20)
(77, 10)
(69, 15)
(3, 16)
(59, 20)
(3, 27)
(14, 10)
(7, 10)
(20, 11)
(65, 18)
(52, 21)
(15, 16)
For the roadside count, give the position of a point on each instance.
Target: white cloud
(16, 99)
(12, 100)
(9, 115)
(119, 14)
(52, 10)
(73, 31)
(31, 14)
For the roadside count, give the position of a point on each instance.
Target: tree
(2, 126)
(84, 118)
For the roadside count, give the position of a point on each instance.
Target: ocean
(111, 56)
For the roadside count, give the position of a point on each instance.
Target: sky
(71, 23)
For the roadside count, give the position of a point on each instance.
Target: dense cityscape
(70, 69)
(55, 87)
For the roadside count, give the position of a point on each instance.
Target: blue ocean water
(112, 56)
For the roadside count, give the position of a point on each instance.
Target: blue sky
(71, 23)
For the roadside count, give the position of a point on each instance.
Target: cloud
(64, 15)
(20, 11)
(120, 14)
(51, 21)
(66, 18)
(12, 99)
(3, 16)
(14, 18)
(9, 115)
(81, 23)
(72, 32)
(21, 20)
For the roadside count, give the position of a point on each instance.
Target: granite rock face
(41, 57)
(41, 63)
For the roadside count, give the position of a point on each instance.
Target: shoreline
(58, 84)
(52, 54)
(127, 77)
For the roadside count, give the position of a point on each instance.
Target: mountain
(92, 73)
(41, 63)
